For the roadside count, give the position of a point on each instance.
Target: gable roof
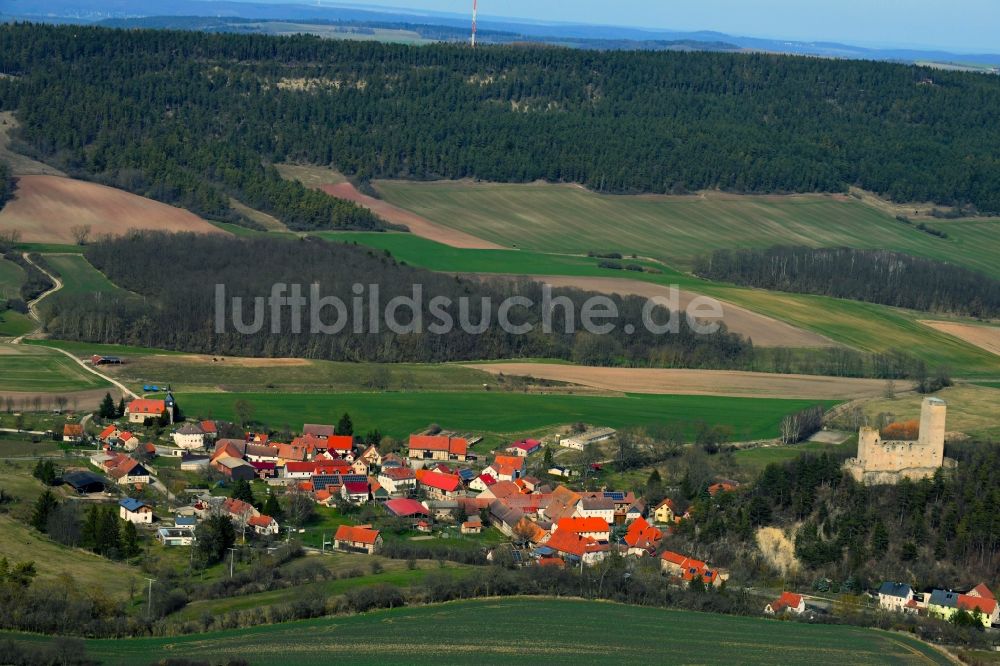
(981, 591)
(970, 603)
(318, 429)
(901, 590)
(446, 482)
(147, 406)
(562, 503)
(353, 534)
(406, 507)
(261, 521)
(786, 600)
(132, 504)
(568, 542)
(208, 427)
(190, 429)
(641, 534)
(72, 430)
(453, 445)
(107, 432)
(340, 442)
(945, 598)
(356, 487)
(398, 473)
(581, 525)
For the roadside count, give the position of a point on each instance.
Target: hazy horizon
(968, 26)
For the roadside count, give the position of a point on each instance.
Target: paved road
(34, 313)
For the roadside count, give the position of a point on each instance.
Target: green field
(572, 220)
(11, 278)
(13, 324)
(508, 414)
(551, 631)
(86, 349)
(863, 326)
(34, 369)
(79, 277)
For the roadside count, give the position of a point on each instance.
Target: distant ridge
(226, 15)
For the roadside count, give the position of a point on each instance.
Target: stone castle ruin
(888, 461)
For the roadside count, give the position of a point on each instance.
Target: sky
(956, 25)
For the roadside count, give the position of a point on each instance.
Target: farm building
(106, 360)
(360, 539)
(594, 436)
(438, 447)
(85, 482)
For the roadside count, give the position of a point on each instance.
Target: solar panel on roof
(616, 495)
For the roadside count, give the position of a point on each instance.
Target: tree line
(876, 276)
(176, 276)
(192, 117)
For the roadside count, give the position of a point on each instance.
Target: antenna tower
(475, 10)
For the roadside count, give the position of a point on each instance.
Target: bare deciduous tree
(81, 233)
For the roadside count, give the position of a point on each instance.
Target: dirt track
(765, 331)
(44, 209)
(984, 337)
(696, 382)
(417, 225)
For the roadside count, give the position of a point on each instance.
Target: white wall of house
(143, 516)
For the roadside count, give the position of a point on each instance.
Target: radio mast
(475, 10)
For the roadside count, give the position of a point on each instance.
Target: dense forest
(6, 183)
(876, 276)
(192, 117)
(176, 275)
(939, 531)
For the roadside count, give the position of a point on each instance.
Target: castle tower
(868, 439)
(932, 422)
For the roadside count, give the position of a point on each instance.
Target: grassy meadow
(505, 414)
(79, 277)
(570, 219)
(33, 369)
(11, 278)
(553, 631)
(863, 326)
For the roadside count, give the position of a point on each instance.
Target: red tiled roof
(641, 534)
(332, 467)
(981, 591)
(716, 488)
(970, 603)
(487, 479)
(356, 534)
(453, 445)
(406, 507)
(357, 487)
(260, 521)
(340, 442)
(398, 473)
(565, 541)
(581, 525)
(208, 427)
(107, 432)
(517, 462)
(300, 466)
(72, 430)
(786, 600)
(147, 406)
(446, 482)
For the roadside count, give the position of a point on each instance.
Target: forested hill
(177, 277)
(169, 112)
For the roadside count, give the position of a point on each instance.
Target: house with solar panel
(135, 511)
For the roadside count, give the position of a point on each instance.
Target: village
(513, 502)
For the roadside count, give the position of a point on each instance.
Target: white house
(578, 442)
(596, 507)
(788, 602)
(894, 596)
(135, 511)
(398, 480)
(189, 437)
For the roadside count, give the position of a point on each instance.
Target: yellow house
(944, 604)
(664, 512)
